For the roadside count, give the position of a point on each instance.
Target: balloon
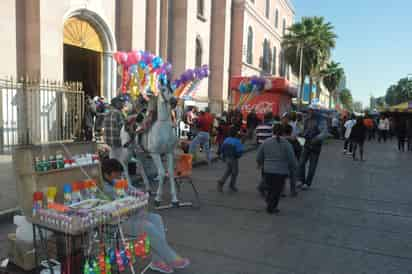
(142, 64)
(117, 57)
(147, 57)
(242, 88)
(123, 58)
(157, 62)
(137, 55)
(131, 58)
(168, 67)
(133, 69)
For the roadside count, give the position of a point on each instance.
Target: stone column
(219, 54)
(152, 26)
(164, 29)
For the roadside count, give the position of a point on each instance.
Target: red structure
(277, 99)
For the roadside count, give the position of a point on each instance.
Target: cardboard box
(21, 253)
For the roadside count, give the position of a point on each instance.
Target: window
(200, 8)
(284, 26)
(198, 60)
(249, 55)
(267, 55)
(274, 61)
(267, 8)
(282, 64)
(276, 18)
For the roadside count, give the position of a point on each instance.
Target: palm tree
(332, 76)
(307, 47)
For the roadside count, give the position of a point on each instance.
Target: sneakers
(161, 267)
(180, 263)
(304, 187)
(234, 189)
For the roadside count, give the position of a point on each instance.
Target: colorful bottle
(51, 194)
(67, 194)
(59, 160)
(86, 268)
(76, 195)
(93, 189)
(37, 202)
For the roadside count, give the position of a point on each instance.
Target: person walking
(287, 131)
(383, 129)
(275, 156)
(347, 145)
(204, 125)
(400, 132)
(357, 137)
(335, 127)
(409, 133)
(315, 131)
(114, 121)
(369, 126)
(232, 150)
(251, 123)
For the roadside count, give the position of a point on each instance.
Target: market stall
(264, 94)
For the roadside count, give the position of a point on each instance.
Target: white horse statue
(160, 139)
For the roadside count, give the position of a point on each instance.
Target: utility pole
(301, 82)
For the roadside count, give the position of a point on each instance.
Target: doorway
(82, 56)
(83, 65)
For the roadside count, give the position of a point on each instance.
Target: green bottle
(86, 268)
(96, 268)
(108, 265)
(147, 245)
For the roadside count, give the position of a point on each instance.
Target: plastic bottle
(85, 189)
(37, 202)
(51, 194)
(93, 189)
(76, 195)
(59, 160)
(67, 194)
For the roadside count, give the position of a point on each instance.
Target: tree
(332, 76)
(399, 93)
(307, 47)
(345, 97)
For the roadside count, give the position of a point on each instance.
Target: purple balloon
(168, 67)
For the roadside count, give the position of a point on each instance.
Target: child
(358, 136)
(232, 150)
(297, 149)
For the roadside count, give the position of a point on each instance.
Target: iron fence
(35, 112)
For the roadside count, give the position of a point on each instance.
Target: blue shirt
(234, 142)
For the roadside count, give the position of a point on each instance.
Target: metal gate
(35, 112)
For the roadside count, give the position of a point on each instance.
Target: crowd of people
(358, 130)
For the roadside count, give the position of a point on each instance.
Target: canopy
(403, 107)
(278, 85)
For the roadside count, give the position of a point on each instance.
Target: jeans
(383, 134)
(313, 158)
(274, 184)
(346, 144)
(355, 148)
(232, 170)
(152, 224)
(202, 138)
(401, 143)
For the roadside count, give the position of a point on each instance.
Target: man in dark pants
(315, 131)
(232, 150)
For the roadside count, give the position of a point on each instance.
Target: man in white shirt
(348, 129)
(383, 128)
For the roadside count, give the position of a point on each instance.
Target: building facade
(257, 31)
(73, 40)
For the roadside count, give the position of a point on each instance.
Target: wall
(8, 53)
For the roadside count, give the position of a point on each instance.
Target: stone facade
(173, 29)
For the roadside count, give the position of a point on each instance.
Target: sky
(374, 43)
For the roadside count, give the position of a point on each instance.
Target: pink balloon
(117, 56)
(138, 55)
(131, 59)
(123, 58)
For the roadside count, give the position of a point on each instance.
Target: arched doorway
(88, 44)
(82, 53)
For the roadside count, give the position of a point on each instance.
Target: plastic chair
(183, 174)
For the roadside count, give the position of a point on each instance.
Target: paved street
(355, 219)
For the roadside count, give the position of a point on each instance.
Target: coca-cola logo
(260, 108)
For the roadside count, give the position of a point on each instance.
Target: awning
(278, 84)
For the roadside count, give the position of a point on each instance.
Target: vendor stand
(59, 193)
(264, 94)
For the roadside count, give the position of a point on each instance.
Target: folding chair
(183, 174)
